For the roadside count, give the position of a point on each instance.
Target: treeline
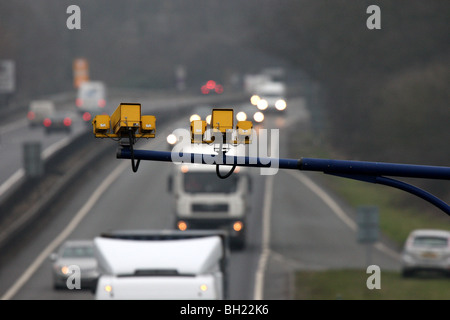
(386, 91)
(134, 43)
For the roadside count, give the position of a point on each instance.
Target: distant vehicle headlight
(280, 104)
(262, 104)
(171, 139)
(241, 116)
(258, 116)
(254, 99)
(208, 119)
(195, 117)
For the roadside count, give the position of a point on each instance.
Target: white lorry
(162, 265)
(202, 200)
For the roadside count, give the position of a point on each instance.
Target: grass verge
(351, 285)
(400, 212)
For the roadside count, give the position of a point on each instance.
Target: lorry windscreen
(208, 182)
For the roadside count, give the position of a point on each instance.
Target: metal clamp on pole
(126, 125)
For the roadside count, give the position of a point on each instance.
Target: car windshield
(430, 241)
(208, 182)
(78, 252)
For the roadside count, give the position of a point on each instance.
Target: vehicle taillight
(67, 122)
(47, 122)
(31, 115)
(204, 89)
(79, 102)
(86, 116)
(219, 89)
(210, 84)
(101, 103)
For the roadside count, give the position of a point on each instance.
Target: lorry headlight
(181, 225)
(237, 226)
(108, 288)
(280, 104)
(203, 287)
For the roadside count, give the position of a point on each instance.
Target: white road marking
(12, 180)
(337, 210)
(258, 293)
(66, 232)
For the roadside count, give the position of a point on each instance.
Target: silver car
(426, 249)
(73, 254)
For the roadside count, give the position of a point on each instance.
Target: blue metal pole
(125, 153)
(375, 168)
(306, 164)
(416, 191)
(373, 172)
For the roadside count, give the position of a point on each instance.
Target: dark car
(58, 121)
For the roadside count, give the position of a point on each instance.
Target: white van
(168, 265)
(91, 98)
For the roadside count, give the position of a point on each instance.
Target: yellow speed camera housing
(244, 131)
(222, 123)
(101, 124)
(198, 128)
(127, 116)
(222, 120)
(125, 119)
(148, 125)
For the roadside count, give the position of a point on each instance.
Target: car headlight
(171, 139)
(280, 104)
(241, 116)
(254, 99)
(258, 117)
(262, 104)
(194, 117)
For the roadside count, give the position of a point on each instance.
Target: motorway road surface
(294, 224)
